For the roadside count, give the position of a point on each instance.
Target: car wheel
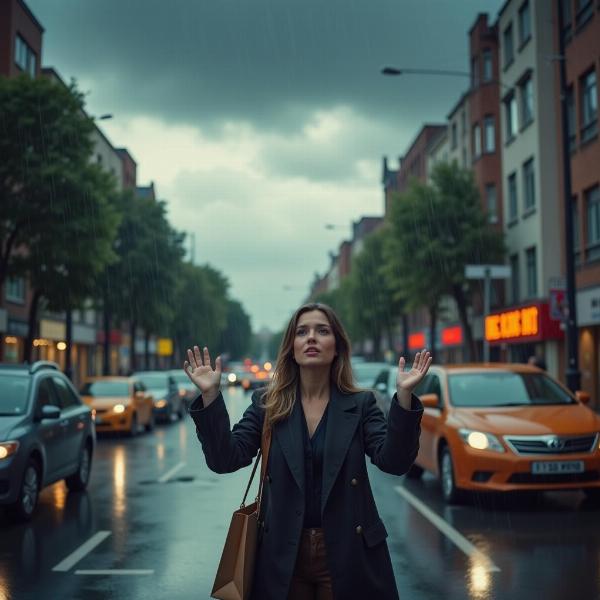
(23, 508)
(415, 472)
(79, 480)
(151, 423)
(451, 494)
(133, 428)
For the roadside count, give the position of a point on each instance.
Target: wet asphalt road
(158, 518)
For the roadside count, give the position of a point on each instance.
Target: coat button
(354, 482)
(359, 530)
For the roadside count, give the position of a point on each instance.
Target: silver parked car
(46, 434)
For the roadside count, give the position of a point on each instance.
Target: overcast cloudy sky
(260, 121)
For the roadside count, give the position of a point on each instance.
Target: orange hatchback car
(119, 404)
(506, 427)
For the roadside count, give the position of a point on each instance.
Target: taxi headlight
(480, 440)
(160, 403)
(8, 449)
(119, 408)
(232, 377)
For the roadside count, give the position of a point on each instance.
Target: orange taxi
(119, 404)
(506, 427)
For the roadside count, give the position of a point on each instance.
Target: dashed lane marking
(114, 572)
(83, 550)
(171, 472)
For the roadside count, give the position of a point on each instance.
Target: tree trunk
(433, 312)
(69, 341)
(32, 328)
(146, 350)
(404, 350)
(377, 346)
(469, 345)
(132, 357)
(106, 345)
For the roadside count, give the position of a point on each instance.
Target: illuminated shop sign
(416, 341)
(452, 336)
(518, 323)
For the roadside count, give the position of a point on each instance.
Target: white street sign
(495, 271)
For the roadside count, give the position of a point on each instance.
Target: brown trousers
(311, 579)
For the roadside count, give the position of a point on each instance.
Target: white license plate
(557, 467)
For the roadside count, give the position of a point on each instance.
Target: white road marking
(170, 473)
(82, 551)
(114, 572)
(453, 535)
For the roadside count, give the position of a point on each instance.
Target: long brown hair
(281, 393)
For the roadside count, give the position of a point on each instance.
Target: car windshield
(13, 395)
(505, 388)
(365, 373)
(105, 388)
(154, 382)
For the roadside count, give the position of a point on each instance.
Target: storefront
(115, 340)
(523, 331)
(82, 355)
(588, 321)
(50, 344)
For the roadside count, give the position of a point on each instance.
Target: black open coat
(357, 553)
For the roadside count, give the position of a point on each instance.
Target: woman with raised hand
(322, 537)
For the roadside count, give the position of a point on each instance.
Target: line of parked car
(48, 428)
(498, 427)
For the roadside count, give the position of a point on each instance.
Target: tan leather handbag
(236, 568)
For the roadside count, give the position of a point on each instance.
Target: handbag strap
(263, 454)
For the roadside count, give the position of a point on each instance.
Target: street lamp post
(572, 374)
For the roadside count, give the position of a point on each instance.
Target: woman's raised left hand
(407, 381)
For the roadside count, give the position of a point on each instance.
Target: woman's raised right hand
(202, 375)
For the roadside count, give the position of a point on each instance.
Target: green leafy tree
(56, 222)
(436, 230)
(236, 337)
(140, 287)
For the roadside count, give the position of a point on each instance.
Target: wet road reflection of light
(4, 589)
(59, 495)
(119, 478)
(478, 579)
(182, 438)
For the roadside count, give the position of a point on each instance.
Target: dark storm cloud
(268, 62)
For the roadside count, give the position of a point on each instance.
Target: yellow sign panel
(164, 347)
(512, 324)
(52, 330)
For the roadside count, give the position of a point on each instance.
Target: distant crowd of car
(48, 428)
(486, 427)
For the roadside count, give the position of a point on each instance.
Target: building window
(489, 134)
(524, 23)
(488, 67)
(528, 185)
(526, 101)
(464, 157)
(24, 56)
(592, 202)
(15, 290)
(584, 10)
(514, 278)
(571, 124)
(491, 202)
(513, 205)
(453, 136)
(512, 120)
(567, 19)
(531, 262)
(476, 141)
(509, 51)
(463, 123)
(474, 72)
(589, 106)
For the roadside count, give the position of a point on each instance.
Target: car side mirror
(430, 400)
(582, 396)
(381, 387)
(50, 412)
